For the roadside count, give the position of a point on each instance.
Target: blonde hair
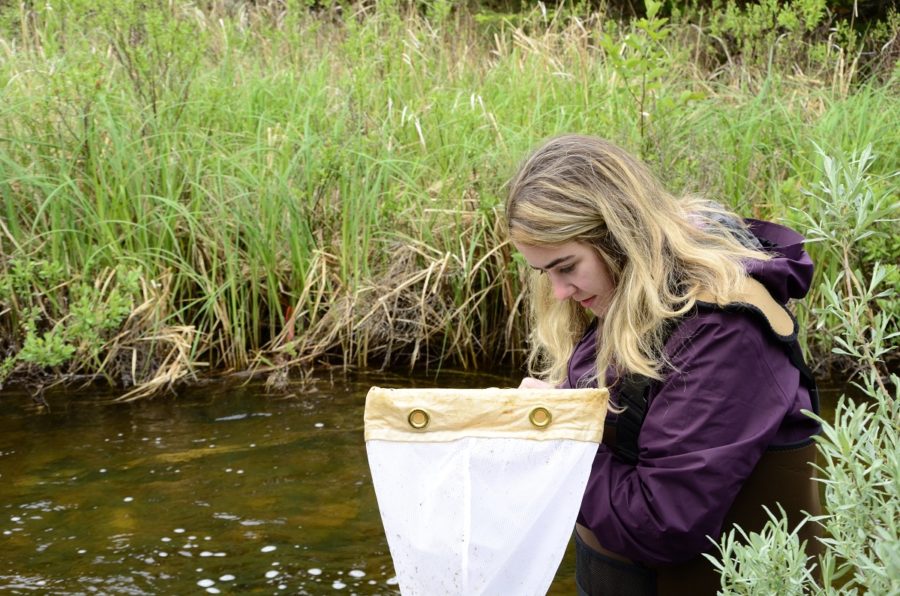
(662, 252)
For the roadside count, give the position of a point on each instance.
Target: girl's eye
(566, 269)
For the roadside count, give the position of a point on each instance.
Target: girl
(677, 306)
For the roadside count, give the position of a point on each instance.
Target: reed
(263, 185)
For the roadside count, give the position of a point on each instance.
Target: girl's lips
(587, 302)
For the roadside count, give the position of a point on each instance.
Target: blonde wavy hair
(662, 252)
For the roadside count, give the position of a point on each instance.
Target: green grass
(290, 187)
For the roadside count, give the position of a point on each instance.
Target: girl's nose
(562, 290)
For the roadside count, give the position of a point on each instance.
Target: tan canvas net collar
(440, 415)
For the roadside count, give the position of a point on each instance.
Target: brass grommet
(418, 419)
(540, 417)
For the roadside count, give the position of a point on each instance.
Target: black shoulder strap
(633, 397)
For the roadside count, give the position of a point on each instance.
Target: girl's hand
(532, 383)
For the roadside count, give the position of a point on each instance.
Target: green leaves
(49, 349)
(64, 320)
(857, 301)
(860, 455)
(772, 561)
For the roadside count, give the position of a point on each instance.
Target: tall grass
(265, 185)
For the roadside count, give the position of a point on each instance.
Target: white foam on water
(179, 530)
(213, 590)
(393, 581)
(233, 417)
(267, 549)
(206, 553)
(220, 554)
(338, 585)
(166, 539)
(271, 574)
(356, 573)
(319, 425)
(163, 553)
(314, 571)
(205, 583)
(128, 499)
(226, 578)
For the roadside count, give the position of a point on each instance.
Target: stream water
(223, 489)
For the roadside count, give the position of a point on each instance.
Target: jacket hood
(788, 274)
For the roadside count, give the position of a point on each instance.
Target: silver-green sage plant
(859, 451)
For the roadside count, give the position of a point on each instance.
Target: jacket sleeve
(706, 427)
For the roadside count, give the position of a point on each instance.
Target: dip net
(479, 489)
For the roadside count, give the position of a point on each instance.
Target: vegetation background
(271, 185)
(268, 185)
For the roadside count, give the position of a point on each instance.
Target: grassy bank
(265, 185)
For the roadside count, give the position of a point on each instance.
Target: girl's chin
(598, 309)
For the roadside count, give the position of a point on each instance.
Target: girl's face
(576, 272)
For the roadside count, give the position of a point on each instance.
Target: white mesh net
(479, 489)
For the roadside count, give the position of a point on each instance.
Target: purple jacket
(734, 394)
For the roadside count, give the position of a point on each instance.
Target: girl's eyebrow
(554, 263)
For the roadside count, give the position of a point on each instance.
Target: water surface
(225, 488)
